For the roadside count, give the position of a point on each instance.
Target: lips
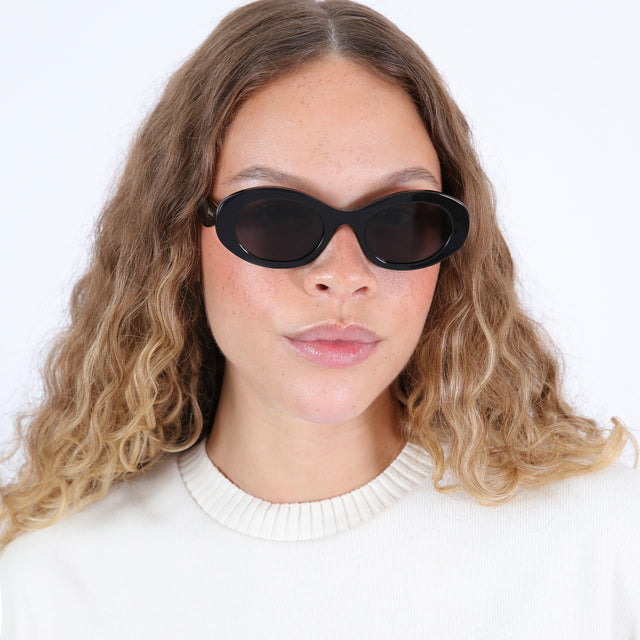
(333, 346)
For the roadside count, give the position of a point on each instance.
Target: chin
(337, 407)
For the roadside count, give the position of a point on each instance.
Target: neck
(279, 458)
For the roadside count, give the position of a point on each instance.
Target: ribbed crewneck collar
(235, 509)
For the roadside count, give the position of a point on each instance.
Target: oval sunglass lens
(407, 233)
(278, 230)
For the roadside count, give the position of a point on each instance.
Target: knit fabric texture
(182, 552)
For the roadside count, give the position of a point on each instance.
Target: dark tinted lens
(407, 233)
(280, 230)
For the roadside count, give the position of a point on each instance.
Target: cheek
(413, 292)
(221, 286)
(417, 302)
(237, 295)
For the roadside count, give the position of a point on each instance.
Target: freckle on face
(340, 129)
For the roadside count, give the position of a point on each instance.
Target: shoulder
(614, 490)
(125, 512)
(44, 574)
(591, 508)
(604, 503)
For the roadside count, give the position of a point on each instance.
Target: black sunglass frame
(224, 216)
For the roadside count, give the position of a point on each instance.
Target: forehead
(333, 123)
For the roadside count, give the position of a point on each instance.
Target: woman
(297, 377)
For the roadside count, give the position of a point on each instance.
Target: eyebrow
(266, 174)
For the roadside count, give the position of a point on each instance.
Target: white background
(550, 88)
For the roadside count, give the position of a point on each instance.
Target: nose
(341, 270)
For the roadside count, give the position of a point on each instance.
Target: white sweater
(184, 553)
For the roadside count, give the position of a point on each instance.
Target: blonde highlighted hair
(136, 374)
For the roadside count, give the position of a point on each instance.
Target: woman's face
(324, 341)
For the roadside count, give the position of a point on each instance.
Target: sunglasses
(282, 228)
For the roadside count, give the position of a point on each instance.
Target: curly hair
(136, 373)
